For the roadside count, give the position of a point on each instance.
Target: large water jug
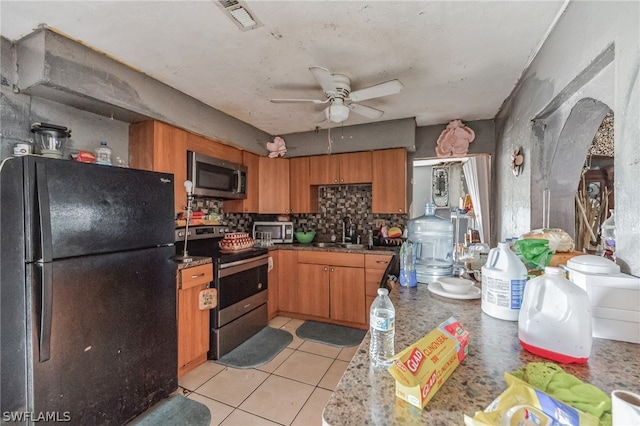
(555, 318)
(503, 280)
(432, 237)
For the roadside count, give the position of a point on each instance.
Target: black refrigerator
(87, 292)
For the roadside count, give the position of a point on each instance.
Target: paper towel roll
(625, 408)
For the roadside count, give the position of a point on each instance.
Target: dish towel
(552, 379)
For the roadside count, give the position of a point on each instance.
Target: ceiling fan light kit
(337, 91)
(337, 111)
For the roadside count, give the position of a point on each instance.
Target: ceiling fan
(341, 100)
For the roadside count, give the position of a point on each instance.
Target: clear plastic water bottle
(432, 237)
(608, 233)
(103, 154)
(382, 322)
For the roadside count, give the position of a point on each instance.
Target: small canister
(22, 148)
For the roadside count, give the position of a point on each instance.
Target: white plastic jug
(555, 318)
(503, 280)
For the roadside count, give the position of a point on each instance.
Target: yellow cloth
(552, 379)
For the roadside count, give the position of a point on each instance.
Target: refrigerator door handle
(44, 216)
(46, 310)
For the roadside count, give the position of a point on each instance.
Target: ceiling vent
(240, 14)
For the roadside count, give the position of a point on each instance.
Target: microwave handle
(238, 175)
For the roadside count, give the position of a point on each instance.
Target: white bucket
(555, 318)
(503, 280)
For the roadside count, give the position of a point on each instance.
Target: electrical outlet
(378, 223)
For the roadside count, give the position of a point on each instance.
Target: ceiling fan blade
(376, 91)
(366, 111)
(324, 78)
(298, 101)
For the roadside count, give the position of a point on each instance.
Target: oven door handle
(227, 269)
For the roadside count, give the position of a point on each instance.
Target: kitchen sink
(350, 246)
(324, 245)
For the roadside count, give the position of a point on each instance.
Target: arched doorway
(595, 197)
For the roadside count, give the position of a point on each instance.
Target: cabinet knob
(326, 269)
(332, 269)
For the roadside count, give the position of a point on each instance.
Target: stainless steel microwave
(216, 178)
(281, 232)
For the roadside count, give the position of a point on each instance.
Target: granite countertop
(197, 261)
(367, 396)
(311, 247)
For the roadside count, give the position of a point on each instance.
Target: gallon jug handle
(492, 258)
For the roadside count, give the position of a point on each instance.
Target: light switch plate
(378, 223)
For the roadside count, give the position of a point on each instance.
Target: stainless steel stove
(241, 280)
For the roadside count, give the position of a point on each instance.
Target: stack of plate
(455, 288)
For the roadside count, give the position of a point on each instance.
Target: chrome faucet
(344, 229)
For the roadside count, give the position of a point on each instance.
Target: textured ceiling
(456, 59)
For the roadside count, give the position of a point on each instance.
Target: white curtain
(477, 172)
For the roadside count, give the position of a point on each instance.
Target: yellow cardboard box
(422, 368)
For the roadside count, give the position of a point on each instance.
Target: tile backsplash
(334, 204)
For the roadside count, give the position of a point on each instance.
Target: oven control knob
(226, 230)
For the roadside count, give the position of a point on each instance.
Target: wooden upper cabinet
(159, 147)
(213, 148)
(273, 185)
(355, 167)
(337, 169)
(389, 181)
(249, 204)
(303, 198)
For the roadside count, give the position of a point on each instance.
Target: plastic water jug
(503, 280)
(555, 318)
(432, 237)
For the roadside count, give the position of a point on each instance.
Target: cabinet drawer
(330, 258)
(377, 261)
(190, 277)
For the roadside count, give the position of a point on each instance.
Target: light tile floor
(292, 389)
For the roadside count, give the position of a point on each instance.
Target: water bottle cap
(383, 291)
(103, 143)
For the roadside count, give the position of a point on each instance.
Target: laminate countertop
(365, 396)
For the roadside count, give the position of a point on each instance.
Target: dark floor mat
(330, 334)
(258, 350)
(176, 410)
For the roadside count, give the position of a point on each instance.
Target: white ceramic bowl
(455, 285)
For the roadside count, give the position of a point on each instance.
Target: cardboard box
(422, 368)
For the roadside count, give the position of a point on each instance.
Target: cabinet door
(355, 167)
(272, 287)
(389, 181)
(324, 170)
(313, 291)
(273, 185)
(193, 328)
(249, 204)
(303, 197)
(213, 148)
(347, 294)
(287, 280)
(375, 265)
(159, 147)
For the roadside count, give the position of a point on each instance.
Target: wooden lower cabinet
(347, 294)
(375, 266)
(193, 323)
(287, 281)
(331, 286)
(273, 284)
(313, 290)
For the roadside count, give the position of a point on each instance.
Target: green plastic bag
(534, 253)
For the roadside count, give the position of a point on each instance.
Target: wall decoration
(517, 162)
(277, 148)
(454, 140)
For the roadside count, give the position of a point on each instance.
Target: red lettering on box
(415, 360)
